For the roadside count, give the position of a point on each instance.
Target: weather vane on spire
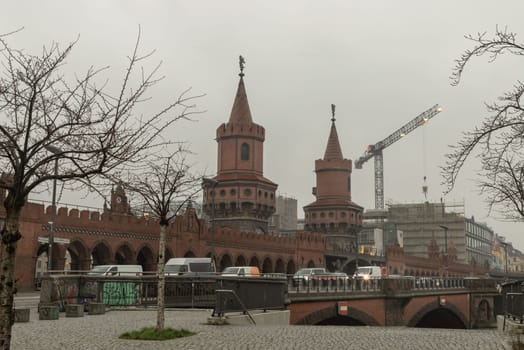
(333, 112)
(242, 63)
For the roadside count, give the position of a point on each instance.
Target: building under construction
(433, 229)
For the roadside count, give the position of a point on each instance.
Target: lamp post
(212, 184)
(55, 151)
(445, 228)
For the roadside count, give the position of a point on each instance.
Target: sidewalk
(102, 331)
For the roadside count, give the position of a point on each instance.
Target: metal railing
(398, 283)
(255, 293)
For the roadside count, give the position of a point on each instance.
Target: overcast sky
(380, 62)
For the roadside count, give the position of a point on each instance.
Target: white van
(116, 270)
(190, 266)
(368, 272)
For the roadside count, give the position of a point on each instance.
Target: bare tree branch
(90, 132)
(498, 141)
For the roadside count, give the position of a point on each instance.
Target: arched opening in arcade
(240, 261)
(80, 259)
(146, 258)
(225, 261)
(189, 254)
(267, 266)
(291, 268)
(101, 254)
(441, 318)
(41, 260)
(124, 255)
(279, 266)
(254, 262)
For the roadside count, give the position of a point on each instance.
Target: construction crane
(376, 151)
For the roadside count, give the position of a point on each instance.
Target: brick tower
(242, 197)
(333, 211)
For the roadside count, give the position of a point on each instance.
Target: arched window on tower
(244, 151)
(349, 183)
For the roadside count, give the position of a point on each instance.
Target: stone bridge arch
(317, 317)
(433, 315)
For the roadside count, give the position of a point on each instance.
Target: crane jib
(375, 150)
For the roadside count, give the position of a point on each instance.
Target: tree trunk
(161, 278)
(10, 236)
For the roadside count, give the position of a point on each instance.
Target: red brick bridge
(458, 303)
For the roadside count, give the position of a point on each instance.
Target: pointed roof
(333, 150)
(240, 113)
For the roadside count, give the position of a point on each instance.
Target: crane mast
(376, 150)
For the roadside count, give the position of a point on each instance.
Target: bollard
(96, 308)
(74, 310)
(22, 315)
(48, 312)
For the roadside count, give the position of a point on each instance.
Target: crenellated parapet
(94, 220)
(251, 130)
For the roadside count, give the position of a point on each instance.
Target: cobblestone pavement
(102, 331)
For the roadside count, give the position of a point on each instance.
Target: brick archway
(330, 312)
(225, 261)
(80, 259)
(240, 261)
(146, 258)
(267, 266)
(415, 320)
(254, 261)
(101, 253)
(291, 267)
(279, 266)
(124, 255)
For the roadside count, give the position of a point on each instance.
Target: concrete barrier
(22, 315)
(48, 312)
(74, 310)
(96, 308)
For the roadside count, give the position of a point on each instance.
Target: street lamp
(212, 183)
(445, 228)
(55, 151)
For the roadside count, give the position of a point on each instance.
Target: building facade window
(244, 151)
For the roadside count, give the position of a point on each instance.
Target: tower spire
(240, 113)
(333, 150)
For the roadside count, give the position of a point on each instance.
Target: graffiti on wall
(121, 293)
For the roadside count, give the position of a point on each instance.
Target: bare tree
(164, 186)
(76, 123)
(500, 138)
(504, 185)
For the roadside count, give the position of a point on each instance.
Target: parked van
(190, 266)
(116, 270)
(368, 272)
(241, 271)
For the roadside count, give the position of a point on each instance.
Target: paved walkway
(101, 332)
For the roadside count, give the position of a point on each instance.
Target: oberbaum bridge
(238, 202)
